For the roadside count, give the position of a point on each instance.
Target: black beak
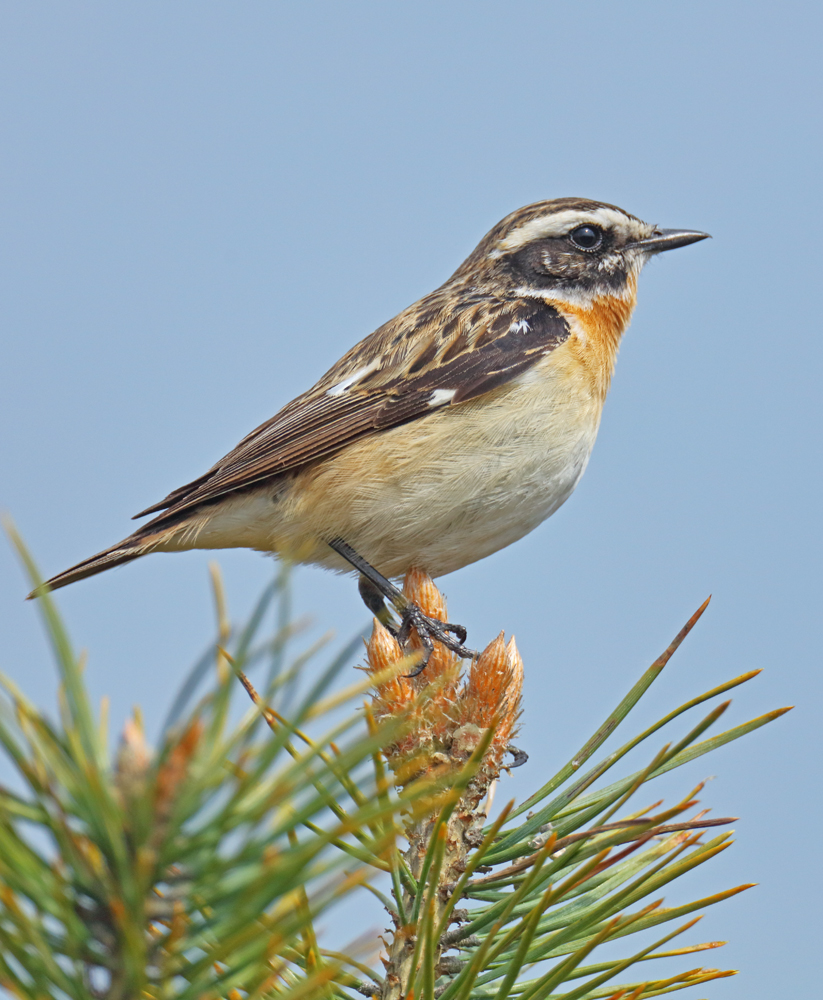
(669, 239)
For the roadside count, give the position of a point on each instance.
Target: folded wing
(453, 359)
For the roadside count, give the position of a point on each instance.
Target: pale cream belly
(437, 493)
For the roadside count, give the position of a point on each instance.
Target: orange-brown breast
(597, 332)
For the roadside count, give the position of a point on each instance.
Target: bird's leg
(375, 602)
(374, 588)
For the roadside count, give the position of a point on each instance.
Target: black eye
(586, 237)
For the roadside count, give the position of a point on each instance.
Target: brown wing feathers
(319, 423)
(470, 352)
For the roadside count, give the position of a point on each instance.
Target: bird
(448, 433)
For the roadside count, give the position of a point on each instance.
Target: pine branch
(202, 867)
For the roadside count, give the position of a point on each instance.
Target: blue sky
(204, 204)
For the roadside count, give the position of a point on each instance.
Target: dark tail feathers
(117, 555)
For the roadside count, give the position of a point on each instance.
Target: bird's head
(570, 250)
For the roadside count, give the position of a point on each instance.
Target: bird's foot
(430, 630)
(520, 756)
(376, 590)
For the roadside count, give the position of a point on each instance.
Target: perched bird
(448, 433)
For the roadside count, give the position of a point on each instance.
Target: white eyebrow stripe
(347, 383)
(561, 223)
(441, 396)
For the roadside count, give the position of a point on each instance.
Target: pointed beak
(669, 239)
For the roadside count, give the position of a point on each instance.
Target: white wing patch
(347, 383)
(441, 396)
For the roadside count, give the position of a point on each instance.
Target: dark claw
(428, 649)
(459, 631)
(520, 756)
(429, 631)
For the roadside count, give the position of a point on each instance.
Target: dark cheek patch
(555, 265)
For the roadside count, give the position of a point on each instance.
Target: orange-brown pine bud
(495, 686)
(134, 758)
(447, 721)
(174, 769)
(421, 590)
(393, 692)
(491, 698)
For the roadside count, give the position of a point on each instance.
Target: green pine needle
(206, 867)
